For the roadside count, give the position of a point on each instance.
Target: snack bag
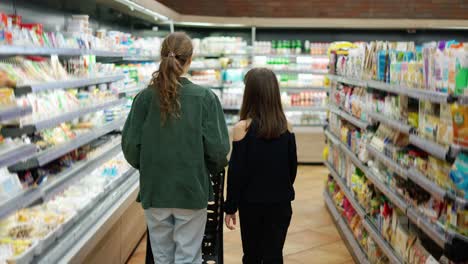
(460, 124)
(459, 174)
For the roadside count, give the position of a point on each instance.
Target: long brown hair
(262, 103)
(176, 52)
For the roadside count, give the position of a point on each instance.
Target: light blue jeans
(176, 235)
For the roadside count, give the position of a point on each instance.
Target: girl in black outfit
(262, 171)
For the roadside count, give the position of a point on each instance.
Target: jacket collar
(184, 81)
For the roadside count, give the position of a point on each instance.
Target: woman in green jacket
(176, 135)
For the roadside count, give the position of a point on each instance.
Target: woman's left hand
(231, 221)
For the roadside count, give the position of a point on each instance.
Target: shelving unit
(106, 208)
(57, 184)
(33, 88)
(30, 128)
(448, 240)
(50, 154)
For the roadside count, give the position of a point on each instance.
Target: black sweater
(261, 171)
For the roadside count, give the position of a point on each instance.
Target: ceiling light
(134, 6)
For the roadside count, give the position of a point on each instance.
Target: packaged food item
(459, 174)
(460, 124)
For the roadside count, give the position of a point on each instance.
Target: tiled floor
(312, 236)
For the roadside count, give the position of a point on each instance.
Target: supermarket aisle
(312, 237)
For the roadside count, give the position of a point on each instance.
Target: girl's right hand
(231, 221)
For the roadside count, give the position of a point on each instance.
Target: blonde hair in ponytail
(176, 53)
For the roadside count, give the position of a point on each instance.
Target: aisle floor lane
(312, 236)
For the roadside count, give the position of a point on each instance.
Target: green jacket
(175, 159)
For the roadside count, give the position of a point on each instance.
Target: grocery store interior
(376, 92)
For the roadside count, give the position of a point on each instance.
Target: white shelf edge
(394, 166)
(355, 247)
(348, 117)
(12, 112)
(395, 124)
(64, 84)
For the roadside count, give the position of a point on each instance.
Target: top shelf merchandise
(17, 38)
(290, 48)
(218, 46)
(435, 71)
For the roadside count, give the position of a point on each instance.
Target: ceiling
(415, 9)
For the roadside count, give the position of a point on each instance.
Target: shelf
(305, 108)
(20, 152)
(348, 117)
(298, 89)
(383, 244)
(430, 147)
(30, 128)
(420, 94)
(205, 68)
(347, 235)
(57, 184)
(43, 157)
(348, 193)
(7, 50)
(30, 88)
(133, 90)
(428, 228)
(212, 55)
(395, 124)
(391, 164)
(13, 112)
(298, 71)
(137, 58)
(290, 55)
(102, 212)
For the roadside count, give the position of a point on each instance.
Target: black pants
(263, 232)
(149, 252)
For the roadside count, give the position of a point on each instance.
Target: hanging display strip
(420, 94)
(31, 88)
(348, 117)
(90, 221)
(391, 164)
(397, 125)
(8, 50)
(343, 227)
(32, 195)
(30, 128)
(20, 152)
(388, 250)
(48, 155)
(13, 112)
